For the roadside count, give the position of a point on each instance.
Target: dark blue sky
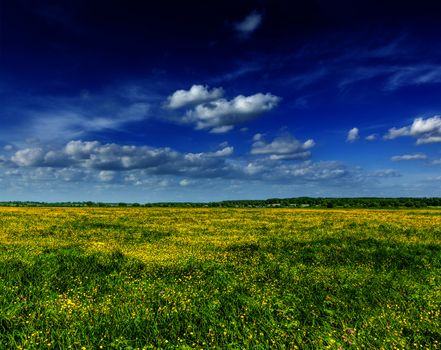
(211, 100)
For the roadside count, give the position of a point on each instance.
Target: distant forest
(299, 202)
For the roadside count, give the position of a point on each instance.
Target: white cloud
(184, 182)
(393, 133)
(282, 147)
(28, 157)
(413, 156)
(95, 162)
(224, 152)
(222, 115)
(424, 130)
(105, 175)
(414, 75)
(371, 137)
(353, 135)
(106, 166)
(71, 175)
(249, 24)
(8, 147)
(196, 95)
(423, 126)
(428, 139)
(80, 148)
(268, 170)
(309, 171)
(108, 158)
(221, 129)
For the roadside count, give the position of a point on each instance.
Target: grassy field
(219, 278)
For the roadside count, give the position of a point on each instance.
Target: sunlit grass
(219, 278)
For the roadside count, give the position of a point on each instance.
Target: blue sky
(202, 101)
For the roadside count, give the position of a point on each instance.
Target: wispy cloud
(62, 118)
(392, 64)
(414, 75)
(249, 24)
(385, 173)
(413, 156)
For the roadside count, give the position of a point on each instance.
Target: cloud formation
(424, 130)
(413, 156)
(110, 164)
(63, 118)
(283, 147)
(353, 135)
(414, 75)
(221, 115)
(249, 24)
(113, 157)
(196, 95)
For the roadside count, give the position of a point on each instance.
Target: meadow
(176, 278)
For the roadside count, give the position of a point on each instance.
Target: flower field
(142, 278)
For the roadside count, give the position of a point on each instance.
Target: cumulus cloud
(249, 24)
(224, 152)
(413, 156)
(353, 135)
(184, 182)
(109, 165)
(221, 115)
(196, 95)
(29, 157)
(208, 110)
(424, 130)
(282, 147)
(113, 164)
(109, 158)
(371, 137)
(106, 175)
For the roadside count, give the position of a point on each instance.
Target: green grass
(301, 283)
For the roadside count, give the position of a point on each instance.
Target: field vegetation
(141, 278)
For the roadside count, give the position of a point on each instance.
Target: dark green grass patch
(274, 294)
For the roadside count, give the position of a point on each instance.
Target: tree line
(298, 202)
